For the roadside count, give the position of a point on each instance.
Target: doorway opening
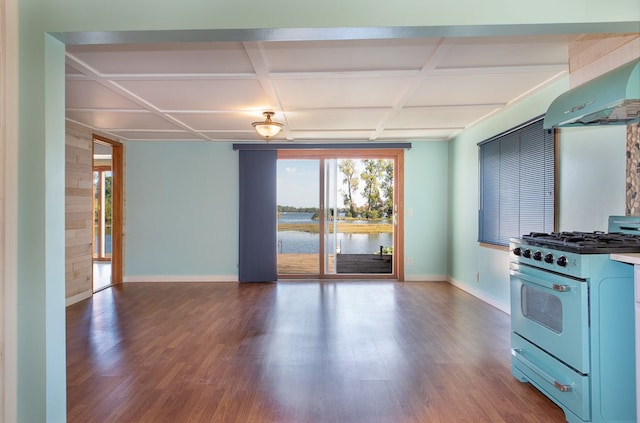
(339, 214)
(107, 213)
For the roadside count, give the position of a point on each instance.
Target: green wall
(591, 187)
(425, 209)
(41, 382)
(480, 270)
(462, 17)
(41, 233)
(591, 177)
(181, 211)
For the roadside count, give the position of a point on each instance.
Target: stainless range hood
(610, 99)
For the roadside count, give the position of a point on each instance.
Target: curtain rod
(342, 146)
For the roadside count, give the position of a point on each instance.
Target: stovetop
(585, 242)
(576, 254)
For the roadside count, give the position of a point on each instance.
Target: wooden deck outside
(363, 263)
(308, 264)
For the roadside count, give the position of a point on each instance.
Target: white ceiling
(361, 90)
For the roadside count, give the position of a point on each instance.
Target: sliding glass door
(365, 228)
(338, 214)
(331, 213)
(299, 216)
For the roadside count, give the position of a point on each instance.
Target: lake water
(290, 242)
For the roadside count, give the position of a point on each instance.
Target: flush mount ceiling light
(268, 128)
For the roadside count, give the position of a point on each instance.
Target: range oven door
(552, 312)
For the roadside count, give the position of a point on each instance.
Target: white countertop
(631, 258)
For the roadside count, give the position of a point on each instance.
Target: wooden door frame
(117, 207)
(393, 154)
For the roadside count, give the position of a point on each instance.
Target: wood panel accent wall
(79, 212)
(591, 55)
(3, 182)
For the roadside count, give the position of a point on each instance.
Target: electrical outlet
(409, 261)
(478, 277)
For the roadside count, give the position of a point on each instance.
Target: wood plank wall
(591, 55)
(78, 212)
(3, 182)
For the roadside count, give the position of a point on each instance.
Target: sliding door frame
(397, 155)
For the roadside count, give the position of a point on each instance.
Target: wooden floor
(294, 352)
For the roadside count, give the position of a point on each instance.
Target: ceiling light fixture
(268, 128)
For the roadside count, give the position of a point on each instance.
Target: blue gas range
(572, 319)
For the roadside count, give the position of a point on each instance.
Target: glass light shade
(268, 128)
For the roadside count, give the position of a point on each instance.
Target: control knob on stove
(517, 251)
(526, 253)
(548, 258)
(537, 256)
(562, 261)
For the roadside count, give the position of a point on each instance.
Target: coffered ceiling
(416, 89)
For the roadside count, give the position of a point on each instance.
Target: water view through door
(298, 186)
(102, 214)
(335, 217)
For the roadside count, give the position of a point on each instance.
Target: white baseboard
(78, 297)
(425, 278)
(500, 305)
(181, 278)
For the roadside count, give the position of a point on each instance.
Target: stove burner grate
(585, 241)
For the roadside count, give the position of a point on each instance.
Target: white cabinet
(634, 258)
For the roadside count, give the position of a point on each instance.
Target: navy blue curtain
(258, 216)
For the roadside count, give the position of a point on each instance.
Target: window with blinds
(517, 183)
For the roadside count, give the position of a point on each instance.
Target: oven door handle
(517, 352)
(541, 282)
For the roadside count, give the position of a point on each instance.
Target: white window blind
(517, 183)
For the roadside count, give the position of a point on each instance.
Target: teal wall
(481, 270)
(41, 382)
(41, 350)
(591, 177)
(181, 210)
(463, 16)
(591, 187)
(425, 209)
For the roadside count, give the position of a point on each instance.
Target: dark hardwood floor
(294, 352)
